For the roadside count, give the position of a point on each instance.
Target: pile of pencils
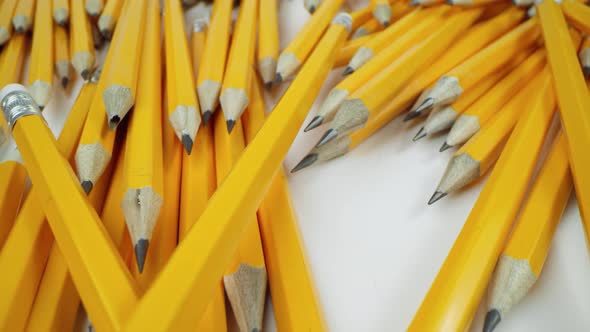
(157, 138)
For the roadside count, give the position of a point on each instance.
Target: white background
(374, 244)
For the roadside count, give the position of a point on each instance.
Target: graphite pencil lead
(329, 135)
(141, 248)
(307, 161)
(268, 85)
(420, 134)
(315, 122)
(278, 79)
(436, 197)
(87, 186)
(187, 142)
(230, 125)
(493, 317)
(206, 117)
(586, 71)
(64, 82)
(427, 104)
(347, 71)
(445, 147)
(312, 9)
(411, 116)
(85, 74)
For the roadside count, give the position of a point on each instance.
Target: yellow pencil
(295, 300)
(81, 47)
(235, 91)
(577, 14)
(461, 282)
(183, 114)
(41, 63)
(61, 55)
(23, 15)
(27, 248)
(7, 8)
(144, 192)
(522, 261)
(212, 67)
(301, 46)
(61, 12)
(573, 98)
(268, 41)
(109, 17)
(218, 230)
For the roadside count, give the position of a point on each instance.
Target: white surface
(374, 244)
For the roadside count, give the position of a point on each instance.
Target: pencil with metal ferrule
(522, 260)
(451, 306)
(368, 100)
(7, 8)
(306, 39)
(573, 98)
(268, 41)
(144, 192)
(27, 248)
(479, 154)
(235, 91)
(40, 78)
(450, 86)
(183, 108)
(213, 59)
(295, 300)
(187, 294)
(100, 275)
(81, 44)
(61, 12)
(23, 15)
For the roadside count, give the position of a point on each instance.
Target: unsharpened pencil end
(307, 161)
(315, 122)
(421, 134)
(329, 135)
(278, 79)
(492, 320)
(141, 248)
(206, 117)
(445, 147)
(230, 125)
(347, 71)
(87, 186)
(436, 197)
(187, 142)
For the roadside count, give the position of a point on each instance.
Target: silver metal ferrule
(343, 19)
(17, 104)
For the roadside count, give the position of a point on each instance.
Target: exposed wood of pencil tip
(247, 287)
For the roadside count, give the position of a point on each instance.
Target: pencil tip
(385, 23)
(436, 197)
(411, 115)
(64, 82)
(187, 142)
(347, 71)
(141, 248)
(85, 74)
(268, 85)
(312, 9)
(586, 71)
(329, 135)
(445, 147)
(230, 125)
(421, 134)
(206, 117)
(114, 122)
(427, 104)
(278, 79)
(305, 162)
(315, 122)
(493, 317)
(87, 186)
